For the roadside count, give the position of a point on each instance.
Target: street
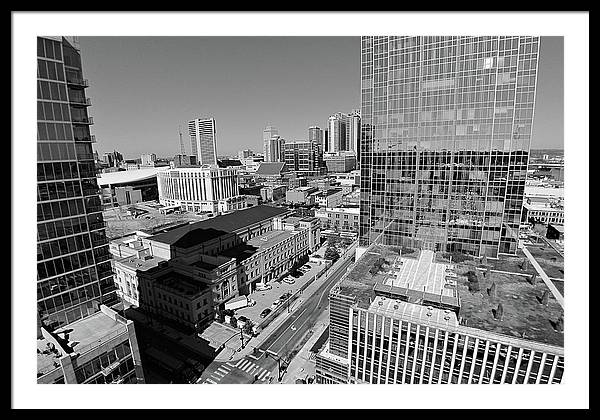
(278, 345)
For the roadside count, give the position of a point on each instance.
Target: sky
(144, 88)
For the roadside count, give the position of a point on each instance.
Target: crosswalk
(244, 365)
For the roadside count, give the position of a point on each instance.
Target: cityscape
(415, 235)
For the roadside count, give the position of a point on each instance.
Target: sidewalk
(228, 354)
(301, 365)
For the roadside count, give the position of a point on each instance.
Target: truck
(239, 302)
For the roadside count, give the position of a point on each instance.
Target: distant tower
(203, 137)
(181, 145)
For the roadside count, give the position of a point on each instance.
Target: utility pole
(242, 336)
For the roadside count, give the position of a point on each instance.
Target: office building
(302, 157)
(244, 154)
(446, 127)
(204, 189)
(74, 275)
(203, 137)
(337, 126)
(407, 320)
(340, 162)
(272, 145)
(353, 132)
(148, 159)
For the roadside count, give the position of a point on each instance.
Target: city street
(283, 340)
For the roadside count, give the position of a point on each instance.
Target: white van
(262, 286)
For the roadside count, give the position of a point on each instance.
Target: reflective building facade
(73, 269)
(445, 135)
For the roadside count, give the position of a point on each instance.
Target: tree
(233, 322)
(332, 254)
(248, 327)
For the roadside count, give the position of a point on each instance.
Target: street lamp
(242, 336)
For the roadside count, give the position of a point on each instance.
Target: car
(289, 280)
(262, 287)
(276, 303)
(284, 296)
(306, 266)
(265, 312)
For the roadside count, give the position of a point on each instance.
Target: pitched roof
(271, 168)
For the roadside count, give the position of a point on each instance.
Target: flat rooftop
(181, 284)
(188, 236)
(421, 281)
(90, 330)
(270, 239)
(399, 309)
(141, 264)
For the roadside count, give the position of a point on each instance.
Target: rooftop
(524, 315)
(188, 236)
(141, 264)
(271, 168)
(229, 223)
(127, 177)
(181, 284)
(91, 331)
(270, 239)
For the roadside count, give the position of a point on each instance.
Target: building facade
(201, 189)
(74, 275)
(405, 320)
(340, 162)
(203, 138)
(445, 135)
(341, 219)
(302, 157)
(148, 159)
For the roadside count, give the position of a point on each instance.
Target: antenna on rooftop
(181, 145)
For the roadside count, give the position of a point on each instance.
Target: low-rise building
(544, 212)
(301, 195)
(272, 192)
(340, 219)
(332, 197)
(340, 161)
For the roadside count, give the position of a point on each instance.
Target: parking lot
(265, 299)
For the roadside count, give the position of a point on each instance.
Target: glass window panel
(51, 70)
(49, 48)
(45, 90)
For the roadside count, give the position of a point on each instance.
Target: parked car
(265, 312)
(284, 296)
(289, 280)
(306, 266)
(261, 287)
(276, 304)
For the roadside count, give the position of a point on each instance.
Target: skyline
(291, 83)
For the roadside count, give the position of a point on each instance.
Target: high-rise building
(353, 132)
(271, 146)
(315, 135)
(274, 149)
(244, 154)
(446, 127)
(203, 137)
(74, 275)
(302, 157)
(337, 125)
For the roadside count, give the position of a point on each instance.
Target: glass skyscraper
(74, 273)
(446, 126)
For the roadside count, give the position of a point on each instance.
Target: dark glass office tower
(73, 259)
(445, 137)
